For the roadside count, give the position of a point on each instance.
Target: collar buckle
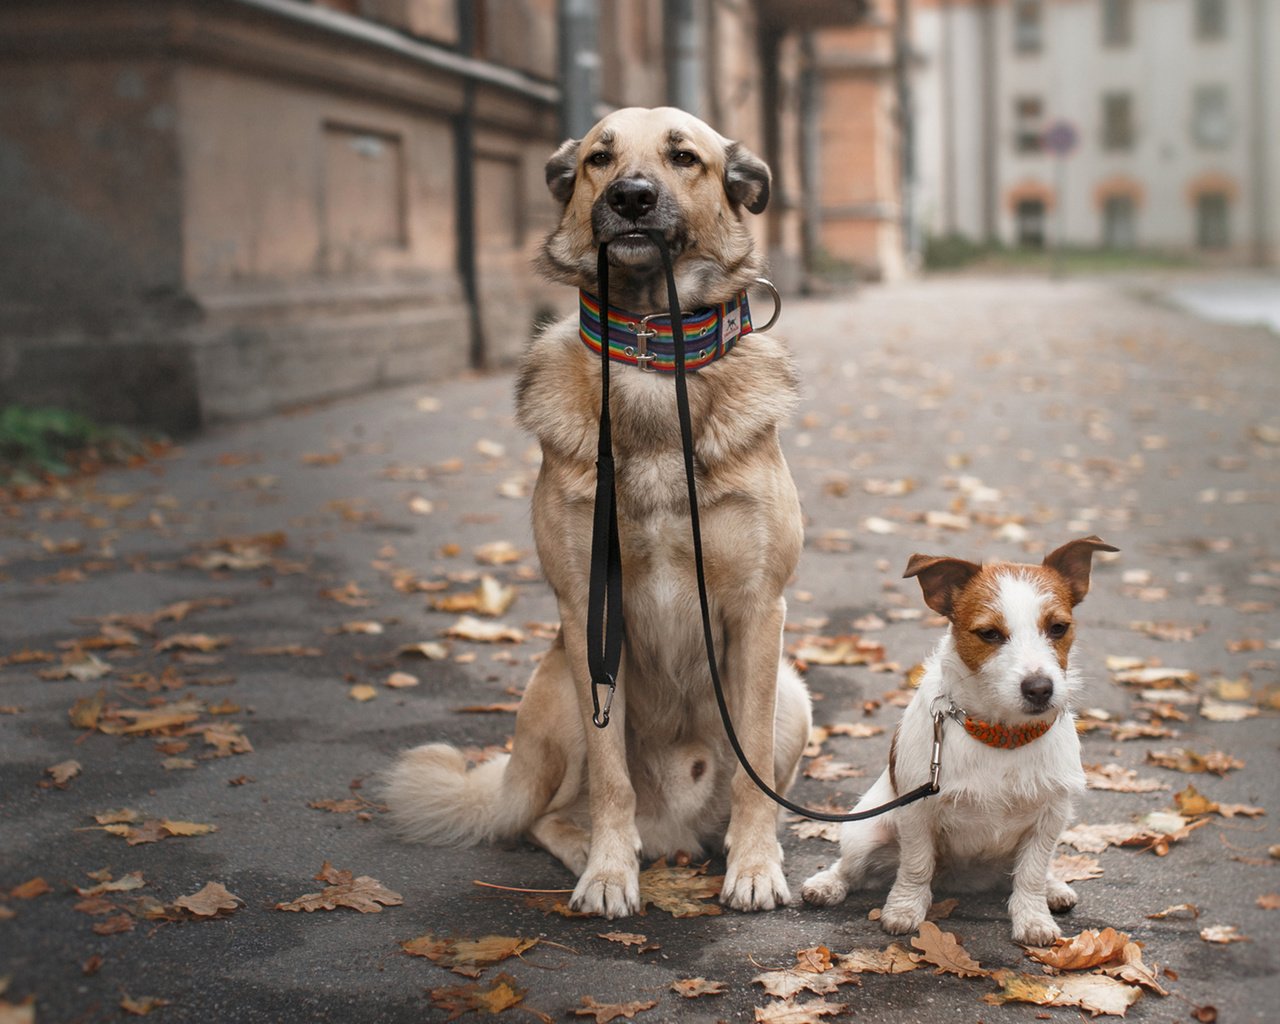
(644, 331)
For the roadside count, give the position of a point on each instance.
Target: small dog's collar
(647, 342)
(1006, 737)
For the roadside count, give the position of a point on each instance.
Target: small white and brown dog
(1010, 753)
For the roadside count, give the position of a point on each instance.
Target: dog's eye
(990, 635)
(600, 158)
(1058, 630)
(683, 158)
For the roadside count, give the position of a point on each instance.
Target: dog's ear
(562, 170)
(746, 178)
(940, 579)
(1074, 560)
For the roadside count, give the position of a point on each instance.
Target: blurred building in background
(212, 209)
(1169, 112)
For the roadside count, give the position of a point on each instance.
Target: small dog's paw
(825, 889)
(607, 892)
(1061, 897)
(900, 920)
(759, 885)
(1039, 930)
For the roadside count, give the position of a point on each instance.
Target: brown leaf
(490, 598)
(788, 1012)
(1131, 969)
(115, 925)
(943, 950)
(692, 988)
(192, 642)
(641, 942)
(30, 889)
(941, 910)
(364, 894)
(1093, 992)
(125, 883)
(63, 772)
(1269, 901)
(86, 711)
(212, 900)
(1183, 760)
(346, 806)
(468, 957)
(605, 1012)
(498, 552)
(825, 769)
(362, 692)
(1075, 868)
(680, 891)
(469, 628)
(1222, 934)
(893, 960)
(1119, 779)
(141, 1006)
(1091, 948)
(80, 665)
(1178, 908)
(501, 994)
(1220, 711)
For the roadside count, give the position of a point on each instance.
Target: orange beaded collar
(1006, 737)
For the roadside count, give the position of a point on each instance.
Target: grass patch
(958, 252)
(44, 444)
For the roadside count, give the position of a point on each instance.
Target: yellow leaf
(362, 692)
(1091, 948)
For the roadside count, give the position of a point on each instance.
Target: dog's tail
(434, 798)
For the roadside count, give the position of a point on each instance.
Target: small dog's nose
(1037, 689)
(632, 197)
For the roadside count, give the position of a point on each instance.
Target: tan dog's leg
(1029, 906)
(753, 875)
(610, 883)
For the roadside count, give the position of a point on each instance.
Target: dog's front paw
(905, 909)
(1061, 897)
(825, 889)
(1036, 930)
(608, 891)
(755, 884)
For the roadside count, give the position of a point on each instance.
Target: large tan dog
(661, 777)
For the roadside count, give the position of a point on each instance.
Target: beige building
(1174, 106)
(221, 208)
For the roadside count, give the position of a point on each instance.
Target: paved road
(983, 418)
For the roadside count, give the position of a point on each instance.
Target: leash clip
(935, 761)
(600, 718)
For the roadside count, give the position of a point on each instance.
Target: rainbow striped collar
(646, 341)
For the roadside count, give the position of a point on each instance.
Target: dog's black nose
(1037, 689)
(632, 197)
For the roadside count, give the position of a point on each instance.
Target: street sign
(1060, 138)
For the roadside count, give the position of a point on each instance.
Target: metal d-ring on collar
(643, 330)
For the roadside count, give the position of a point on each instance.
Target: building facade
(1166, 112)
(222, 208)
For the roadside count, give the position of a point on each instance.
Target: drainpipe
(464, 141)
(990, 124)
(906, 130)
(1260, 139)
(683, 21)
(810, 154)
(579, 66)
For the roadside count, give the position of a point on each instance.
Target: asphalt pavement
(217, 652)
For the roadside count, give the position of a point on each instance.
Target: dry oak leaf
(141, 1006)
(470, 628)
(1222, 934)
(468, 957)
(1131, 969)
(86, 711)
(1220, 711)
(212, 900)
(825, 769)
(605, 1012)
(498, 552)
(1069, 868)
(1091, 948)
(788, 1012)
(1119, 779)
(1269, 901)
(63, 772)
(125, 883)
(82, 666)
(1093, 992)
(501, 994)
(943, 951)
(895, 959)
(30, 889)
(786, 983)
(1190, 909)
(155, 829)
(1155, 675)
(680, 891)
(364, 894)
(692, 988)
(362, 692)
(1182, 760)
(202, 642)
(489, 598)
(641, 942)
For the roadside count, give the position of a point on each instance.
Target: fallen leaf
(80, 665)
(941, 910)
(401, 680)
(155, 829)
(1096, 838)
(1190, 909)
(894, 959)
(502, 993)
(1182, 760)
(362, 692)
(836, 650)
(1119, 779)
(141, 1006)
(30, 889)
(63, 772)
(1269, 901)
(641, 942)
(498, 552)
(86, 711)
(468, 957)
(470, 628)
(428, 649)
(692, 988)
(212, 900)
(363, 627)
(826, 769)
(193, 642)
(1222, 934)
(605, 1012)
(116, 925)
(1093, 992)
(680, 891)
(789, 1012)
(1155, 675)
(365, 894)
(943, 950)
(1068, 868)
(339, 806)
(1131, 969)
(489, 598)
(1091, 948)
(125, 883)
(1219, 711)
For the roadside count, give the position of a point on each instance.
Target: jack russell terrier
(1010, 759)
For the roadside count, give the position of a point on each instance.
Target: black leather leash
(605, 628)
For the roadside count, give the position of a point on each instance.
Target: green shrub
(44, 442)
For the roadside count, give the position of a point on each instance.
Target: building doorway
(1119, 227)
(1029, 223)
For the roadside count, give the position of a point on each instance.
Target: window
(1029, 223)
(1117, 22)
(1117, 121)
(1028, 126)
(1028, 26)
(1211, 19)
(1210, 122)
(1212, 216)
(1118, 223)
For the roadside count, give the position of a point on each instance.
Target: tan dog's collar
(1007, 737)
